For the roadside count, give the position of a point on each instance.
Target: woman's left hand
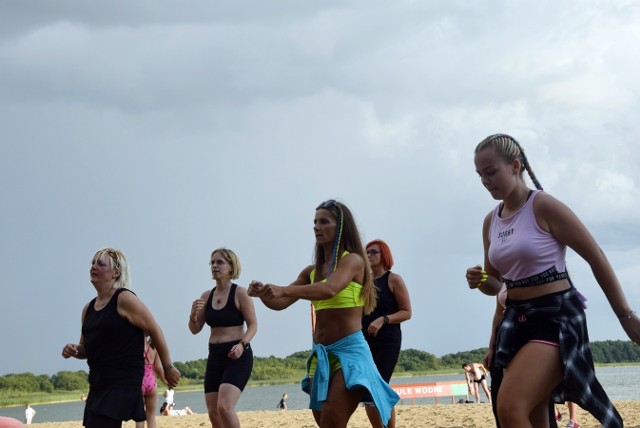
(236, 351)
(375, 326)
(271, 291)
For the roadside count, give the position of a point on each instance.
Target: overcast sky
(168, 129)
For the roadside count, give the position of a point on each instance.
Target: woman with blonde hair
(226, 309)
(542, 339)
(114, 325)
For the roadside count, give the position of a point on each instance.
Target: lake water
(621, 383)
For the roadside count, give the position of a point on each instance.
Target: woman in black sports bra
(226, 309)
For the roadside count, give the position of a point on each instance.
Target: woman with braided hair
(341, 371)
(541, 342)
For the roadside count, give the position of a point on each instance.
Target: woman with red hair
(381, 328)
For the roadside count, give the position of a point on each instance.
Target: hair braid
(335, 256)
(527, 166)
(509, 149)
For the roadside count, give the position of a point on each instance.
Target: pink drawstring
(522, 318)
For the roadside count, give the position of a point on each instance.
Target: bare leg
(527, 385)
(228, 397)
(485, 387)
(376, 421)
(340, 404)
(573, 411)
(150, 400)
(211, 399)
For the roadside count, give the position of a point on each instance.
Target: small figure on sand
(282, 405)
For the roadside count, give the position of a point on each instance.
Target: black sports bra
(229, 315)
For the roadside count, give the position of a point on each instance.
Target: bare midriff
(335, 324)
(525, 293)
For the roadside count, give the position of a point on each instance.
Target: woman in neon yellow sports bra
(341, 371)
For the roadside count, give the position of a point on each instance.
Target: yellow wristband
(483, 279)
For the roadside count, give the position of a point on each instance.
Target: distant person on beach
(114, 325)
(573, 415)
(476, 376)
(167, 410)
(341, 371)
(152, 368)
(282, 405)
(29, 413)
(542, 342)
(381, 328)
(226, 309)
(168, 396)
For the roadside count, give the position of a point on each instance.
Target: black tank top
(389, 334)
(113, 346)
(229, 315)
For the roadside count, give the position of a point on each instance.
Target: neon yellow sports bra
(349, 297)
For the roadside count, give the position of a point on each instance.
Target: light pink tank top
(520, 249)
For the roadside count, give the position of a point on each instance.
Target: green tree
(70, 381)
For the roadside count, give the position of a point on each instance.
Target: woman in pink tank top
(541, 343)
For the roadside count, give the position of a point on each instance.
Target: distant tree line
(273, 369)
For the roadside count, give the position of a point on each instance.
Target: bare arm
(157, 367)
(257, 289)
(493, 283)
(497, 317)
(555, 217)
(401, 294)
(248, 312)
(133, 310)
(198, 313)
(351, 267)
(76, 350)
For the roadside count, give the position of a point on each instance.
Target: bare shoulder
(353, 259)
(549, 209)
(241, 291)
(307, 270)
(545, 203)
(395, 278)
(127, 297)
(205, 294)
(487, 220)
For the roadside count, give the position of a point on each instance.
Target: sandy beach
(427, 416)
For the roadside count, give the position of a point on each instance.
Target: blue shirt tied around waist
(358, 370)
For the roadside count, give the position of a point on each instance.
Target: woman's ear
(517, 166)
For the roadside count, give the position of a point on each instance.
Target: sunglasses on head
(328, 204)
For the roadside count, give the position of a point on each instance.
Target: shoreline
(425, 416)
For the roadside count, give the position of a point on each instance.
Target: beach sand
(427, 416)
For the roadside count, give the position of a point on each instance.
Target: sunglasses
(328, 204)
(372, 252)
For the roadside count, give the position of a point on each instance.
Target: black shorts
(538, 328)
(222, 369)
(92, 420)
(386, 358)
